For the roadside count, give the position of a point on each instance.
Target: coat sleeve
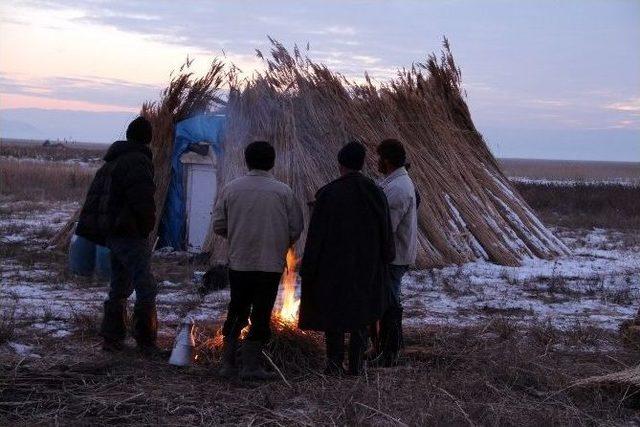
(388, 244)
(399, 205)
(220, 219)
(139, 191)
(296, 221)
(318, 224)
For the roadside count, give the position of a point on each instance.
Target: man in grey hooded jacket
(402, 198)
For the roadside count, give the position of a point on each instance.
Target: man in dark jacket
(119, 212)
(344, 267)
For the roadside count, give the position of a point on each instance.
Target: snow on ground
(92, 163)
(628, 182)
(596, 285)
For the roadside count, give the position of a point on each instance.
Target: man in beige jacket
(261, 219)
(402, 198)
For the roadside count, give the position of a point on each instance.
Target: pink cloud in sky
(27, 101)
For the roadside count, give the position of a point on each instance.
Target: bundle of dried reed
(628, 379)
(185, 96)
(308, 112)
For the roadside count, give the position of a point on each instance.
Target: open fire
(286, 316)
(290, 304)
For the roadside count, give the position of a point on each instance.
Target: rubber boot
(357, 344)
(114, 326)
(252, 369)
(335, 353)
(228, 367)
(145, 329)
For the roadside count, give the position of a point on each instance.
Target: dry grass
(571, 170)
(35, 150)
(7, 320)
(585, 205)
(495, 374)
(43, 180)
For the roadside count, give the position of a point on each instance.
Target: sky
(544, 78)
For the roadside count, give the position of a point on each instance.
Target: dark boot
(228, 367)
(392, 337)
(374, 351)
(114, 325)
(252, 369)
(335, 353)
(145, 328)
(357, 344)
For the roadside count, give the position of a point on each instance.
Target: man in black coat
(344, 267)
(119, 212)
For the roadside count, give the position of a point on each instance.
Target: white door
(201, 196)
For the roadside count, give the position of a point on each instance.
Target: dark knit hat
(140, 130)
(351, 156)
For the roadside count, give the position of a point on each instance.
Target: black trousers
(253, 294)
(334, 340)
(131, 270)
(389, 338)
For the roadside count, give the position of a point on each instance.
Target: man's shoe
(335, 355)
(390, 359)
(114, 323)
(385, 360)
(114, 346)
(227, 371)
(357, 346)
(372, 354)
(334, 370)
(145, 326)
(252, 369)
(152, 352)
(377, 362)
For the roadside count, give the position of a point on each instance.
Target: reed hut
(470, 211)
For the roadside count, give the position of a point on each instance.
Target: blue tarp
(201, 128)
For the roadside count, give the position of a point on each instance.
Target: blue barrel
(82, 256)
(103, 262)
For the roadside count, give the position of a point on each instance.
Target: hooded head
(351, 156)
(140, 131)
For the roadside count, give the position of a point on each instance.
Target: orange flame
(290, 305)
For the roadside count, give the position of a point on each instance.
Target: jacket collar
(259, 172)
(348, 175)
(119, 148)
(401, 171)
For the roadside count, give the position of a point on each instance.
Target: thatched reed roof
(470, 210)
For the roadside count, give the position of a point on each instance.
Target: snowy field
(484, 344)
(597, 285)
